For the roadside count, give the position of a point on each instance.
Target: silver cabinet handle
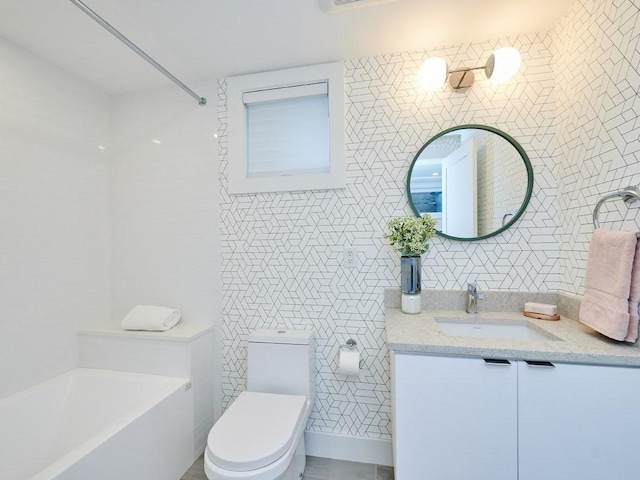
(497, 361)
(539, 363)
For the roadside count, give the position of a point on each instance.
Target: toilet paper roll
(349, 363)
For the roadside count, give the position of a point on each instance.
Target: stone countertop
(569, 341)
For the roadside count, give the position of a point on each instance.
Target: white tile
(54, 207)
(165, 207)
(133, 355)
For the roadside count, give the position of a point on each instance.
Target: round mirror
(474, 180)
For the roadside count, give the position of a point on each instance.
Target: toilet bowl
(261, 435)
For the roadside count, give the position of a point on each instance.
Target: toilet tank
(281, 361)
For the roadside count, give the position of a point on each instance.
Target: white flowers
(410, 236)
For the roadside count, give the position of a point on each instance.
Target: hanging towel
(634, 299)
(151, 317)
(605, 305)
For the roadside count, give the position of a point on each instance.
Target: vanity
(496, 395)
(499, 396)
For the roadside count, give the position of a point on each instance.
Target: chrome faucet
(473, 295)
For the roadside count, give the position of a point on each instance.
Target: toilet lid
(256, 430)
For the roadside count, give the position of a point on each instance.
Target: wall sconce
(503, 64)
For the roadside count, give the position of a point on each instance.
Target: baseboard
(354, 449)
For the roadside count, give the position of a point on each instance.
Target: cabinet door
(454, 418)
(578, 422)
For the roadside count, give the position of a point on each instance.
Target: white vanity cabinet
(485, 419)
(578, 422)
(454, 418)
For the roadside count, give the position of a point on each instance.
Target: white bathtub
(98, 425)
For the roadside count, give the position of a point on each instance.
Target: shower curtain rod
(201, 100)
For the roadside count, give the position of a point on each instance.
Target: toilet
(261, 435)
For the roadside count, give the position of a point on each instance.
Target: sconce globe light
(432, 74)
(502, 65)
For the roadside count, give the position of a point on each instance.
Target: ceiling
(201, 40)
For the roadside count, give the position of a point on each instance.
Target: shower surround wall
(597, 64)
(165, 211)
(282, 252)
(165, 204)
(54, 211)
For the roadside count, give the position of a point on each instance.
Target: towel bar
(629, 195)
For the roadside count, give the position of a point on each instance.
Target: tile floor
(318, 469)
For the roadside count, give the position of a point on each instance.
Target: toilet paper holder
(352, 345)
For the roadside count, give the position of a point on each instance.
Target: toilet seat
(256, 430)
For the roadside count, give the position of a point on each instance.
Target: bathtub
(98, 425)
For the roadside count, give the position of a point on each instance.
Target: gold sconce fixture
(501, 65)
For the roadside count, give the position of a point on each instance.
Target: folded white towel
(151, 317)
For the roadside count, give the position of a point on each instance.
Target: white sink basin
(515, 329)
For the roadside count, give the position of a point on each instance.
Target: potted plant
(410, 236)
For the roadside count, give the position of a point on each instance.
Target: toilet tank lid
(281, 335)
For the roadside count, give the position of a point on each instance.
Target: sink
(514, 329)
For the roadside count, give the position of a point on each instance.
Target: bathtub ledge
(183, 332)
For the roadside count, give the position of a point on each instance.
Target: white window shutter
(288, 137)
(286, 130)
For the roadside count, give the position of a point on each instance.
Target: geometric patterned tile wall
(282, 251)
(597, 63)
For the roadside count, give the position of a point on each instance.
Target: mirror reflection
(473, 179)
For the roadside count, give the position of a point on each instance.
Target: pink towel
(634, 299)
(605, 305)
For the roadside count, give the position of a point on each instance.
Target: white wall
(54, 212)
(165, 204)
(59, 196)
(596, 60)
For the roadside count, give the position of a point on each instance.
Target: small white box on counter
(544, 308)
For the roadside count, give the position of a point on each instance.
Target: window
(286, 130)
